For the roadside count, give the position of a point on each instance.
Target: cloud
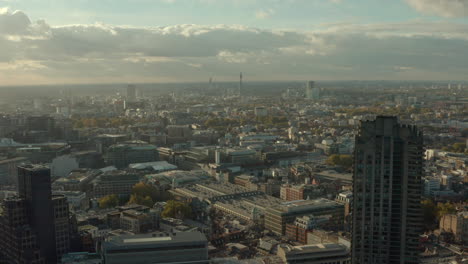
(264, 13)
(36, 52)
(15, 22)
(444, 8)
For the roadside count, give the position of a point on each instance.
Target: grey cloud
(83, 53)
(444, 8)
(13, 22)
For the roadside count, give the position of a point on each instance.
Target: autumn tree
(458, 147)
(345, 161)
(432, 212)
(109, 201)
(141, 200)
(175, 209)
(147, 194)
(143, 189)
(445, 208)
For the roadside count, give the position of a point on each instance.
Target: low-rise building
(81, 258)
(314, 254)
(76, 199)
(302, 226)
(456, 224)
(121, 155)
(9, 171)
(431, 185)
(61, 166)
(277, 217)
(114, 182)
(183, 247)
(346, 199)
(290, 192)
(139, 221)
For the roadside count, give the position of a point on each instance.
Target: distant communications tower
(240, 85)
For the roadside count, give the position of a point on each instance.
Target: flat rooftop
(154, 240)
(34, 167)
(308, 204)
(314, 248)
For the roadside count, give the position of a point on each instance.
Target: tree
(141, 200)
(445, 208)
(142, 189)
(123, 199)
(109, 201)
(345, 161)
(429, 214)
(177, 209)
(458, 147)
(333, 159)
(147, 195)
(432, 212)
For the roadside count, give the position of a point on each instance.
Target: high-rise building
(131, 92)
(309, 87)
(387, 189)
(34, 226)
(35, 187)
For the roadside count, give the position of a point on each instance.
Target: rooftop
(300, 205)
(34, 167)
(155, 165)
(313, 248)
(154, 240)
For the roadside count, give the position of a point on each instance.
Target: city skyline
(181, 41)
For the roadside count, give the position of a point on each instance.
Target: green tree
(109, 201)
(177, 209)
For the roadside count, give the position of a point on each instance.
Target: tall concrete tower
(387, 190)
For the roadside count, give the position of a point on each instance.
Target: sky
(135, 41)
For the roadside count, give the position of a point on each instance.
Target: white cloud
(33, 52)
(264, 13)
(21, 65)
(444, 8)
(234, 57)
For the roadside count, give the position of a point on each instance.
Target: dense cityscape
(235, 172)
(234, 132)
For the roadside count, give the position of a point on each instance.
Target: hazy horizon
(176, 41)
